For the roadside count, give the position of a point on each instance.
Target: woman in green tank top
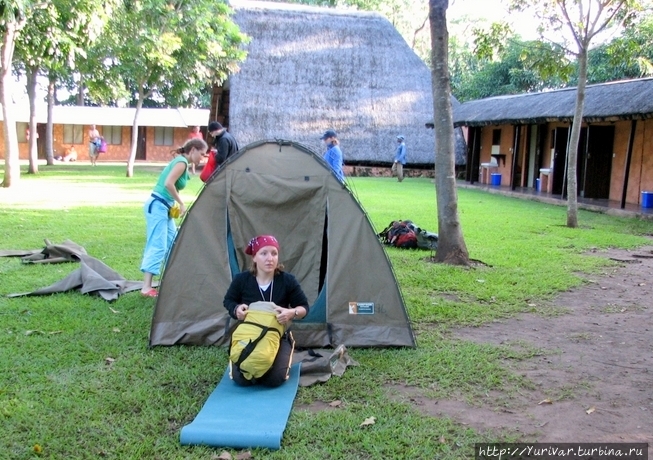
(161, 227)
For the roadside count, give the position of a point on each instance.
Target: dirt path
(595, 369)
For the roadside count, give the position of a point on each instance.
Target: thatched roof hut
(619, 100)
(309, 69)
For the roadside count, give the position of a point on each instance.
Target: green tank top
(160, 187)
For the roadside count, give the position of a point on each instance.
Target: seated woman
(266, 281)
(71, 154)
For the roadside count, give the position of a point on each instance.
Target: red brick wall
(114, 152)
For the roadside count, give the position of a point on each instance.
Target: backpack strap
(249, 348)
(386, 232)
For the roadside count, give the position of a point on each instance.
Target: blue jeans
(161, 232)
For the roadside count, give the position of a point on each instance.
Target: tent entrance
(297, 208)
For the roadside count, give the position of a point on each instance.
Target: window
(163, 135)
(112, 134)
(21, 131)
(73, 134)
(496, 137)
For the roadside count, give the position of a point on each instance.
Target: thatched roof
(619, 100)
(309, 69)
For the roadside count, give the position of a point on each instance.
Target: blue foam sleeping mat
(243, 417)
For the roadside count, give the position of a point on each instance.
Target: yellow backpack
(255, 341)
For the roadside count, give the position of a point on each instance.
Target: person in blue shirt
(161, 227)
(333, 155)
(400, 158)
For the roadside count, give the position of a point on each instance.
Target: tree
(515, 67)
(451, 244)
(627, 56)
(55, 33)
(583, 20)
(12, 20)
(494, 61)
(162, 47)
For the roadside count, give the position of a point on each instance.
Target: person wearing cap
(400, 158)
(266, 281)
(333, 154)
(223, 142)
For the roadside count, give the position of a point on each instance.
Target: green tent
(327, 241)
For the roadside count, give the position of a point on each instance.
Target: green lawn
(77, 380)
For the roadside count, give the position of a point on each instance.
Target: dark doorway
(536, 140)
(517, 157)
(473, 155)
(220, 104)
(559, 146)
(141, 153)
(40, 141)
(597, 163)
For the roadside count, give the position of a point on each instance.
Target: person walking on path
(161, 227)
(400, 158)
(93, 144)
(333, 154)
(223, 142)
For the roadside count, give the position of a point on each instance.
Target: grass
(77, 380)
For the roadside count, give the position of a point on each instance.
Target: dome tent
(327, 241)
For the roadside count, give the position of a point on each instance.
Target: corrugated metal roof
(115, 116)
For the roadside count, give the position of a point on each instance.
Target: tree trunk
(49, 138)
(12, 164)
(32, 73)
(80, 92)
(572, 148)
(134, 145)
(451, 244)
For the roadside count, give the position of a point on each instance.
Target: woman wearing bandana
(266, 281)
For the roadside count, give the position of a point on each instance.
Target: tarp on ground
(93, 277)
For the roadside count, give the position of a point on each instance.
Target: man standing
(195, 133)
(223, 142)
(93, 141)
(333, 155)
(400, 158)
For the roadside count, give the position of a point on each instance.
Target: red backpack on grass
(400, 234)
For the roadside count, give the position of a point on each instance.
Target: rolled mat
(243, 417)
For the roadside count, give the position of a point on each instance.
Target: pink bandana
(259, 242)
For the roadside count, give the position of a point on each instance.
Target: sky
(523, 23)
(489, 11)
